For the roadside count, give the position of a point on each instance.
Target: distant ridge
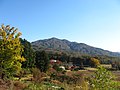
(67, 46)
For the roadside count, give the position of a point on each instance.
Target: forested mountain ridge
(66, 46)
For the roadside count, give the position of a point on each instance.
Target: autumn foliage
(10, 51)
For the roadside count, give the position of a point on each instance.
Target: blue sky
(94, 22)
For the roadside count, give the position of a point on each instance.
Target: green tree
(10, 51)
(42, 61)
(28, 54)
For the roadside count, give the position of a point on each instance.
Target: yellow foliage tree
(94, 62)
(10, 51)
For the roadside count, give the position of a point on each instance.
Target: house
(58, 62)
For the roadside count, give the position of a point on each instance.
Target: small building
(52, 61)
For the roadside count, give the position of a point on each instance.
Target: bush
(101, 79)
(5, 84)
(19, 86)
(38, 76)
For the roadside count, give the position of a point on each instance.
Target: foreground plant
(102, 79)
(10, 51)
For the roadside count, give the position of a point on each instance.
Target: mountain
(55, 44)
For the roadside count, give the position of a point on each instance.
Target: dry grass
(106, 65)
(91, 69)
(117, 74)
(19, 86)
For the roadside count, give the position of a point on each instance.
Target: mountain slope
(67, 46)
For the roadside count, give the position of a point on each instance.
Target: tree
(94, 62)
(10, 51)
(42, 61)
(28, 54)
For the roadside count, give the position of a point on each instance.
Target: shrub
(101, 79)
(38, 76)
(5, 84)
(19, 86)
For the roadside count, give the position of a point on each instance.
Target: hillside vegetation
(67, 46)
